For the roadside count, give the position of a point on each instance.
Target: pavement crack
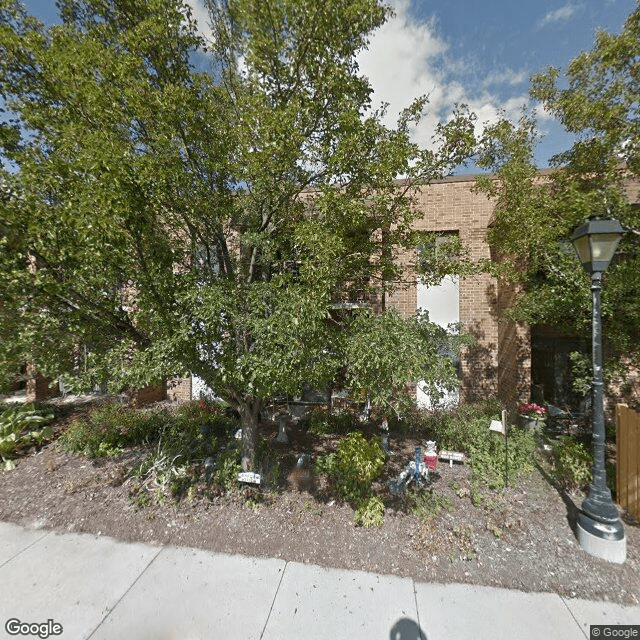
(564, 602)
(415, 601)
(45, 534)
(112, 609)
(275, 595)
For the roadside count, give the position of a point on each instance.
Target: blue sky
(480, 52)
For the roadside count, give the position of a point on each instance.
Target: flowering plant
(533, 410)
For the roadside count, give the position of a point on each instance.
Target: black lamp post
(600, 530)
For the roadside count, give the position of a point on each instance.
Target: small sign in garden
(500, 426)
(452, 456)
(496, 425)
(249, 477)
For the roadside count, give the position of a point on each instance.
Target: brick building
(499, 364)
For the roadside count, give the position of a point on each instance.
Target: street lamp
(600, 530)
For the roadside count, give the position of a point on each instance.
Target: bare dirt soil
(520, 538)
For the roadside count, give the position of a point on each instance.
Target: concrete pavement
(86, 587)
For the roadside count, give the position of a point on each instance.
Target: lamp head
(596, 241)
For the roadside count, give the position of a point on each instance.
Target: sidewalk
(101, 589)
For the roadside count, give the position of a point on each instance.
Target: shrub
(267, 463)
(355, 465)
(318, 421)
(110, 428)
(205, 411)
(322, 422)
(370, 513)
(455, 428)
(466, 429)
(21, 424)
(227, 468)
(487, 454)
(572, 463)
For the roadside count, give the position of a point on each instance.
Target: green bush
(318, 421)
(455, 429)
(209, 412)
(21, 424)
(322, 422)
(109, 429)
(466, 429)
(572, 463)
(353, 467)
(179, 434)
(370, 513)
(487, 455)
(227, 468)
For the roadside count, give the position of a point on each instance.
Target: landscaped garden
(329, 496)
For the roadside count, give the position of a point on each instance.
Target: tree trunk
(249, 414)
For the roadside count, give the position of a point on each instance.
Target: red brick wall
(179, 390)
(148, 395)
(499, 364)
(39, 387)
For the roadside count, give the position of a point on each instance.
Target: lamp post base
(604, 546)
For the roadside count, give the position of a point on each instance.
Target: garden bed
(519, 537)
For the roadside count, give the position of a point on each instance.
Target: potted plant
(533, 416)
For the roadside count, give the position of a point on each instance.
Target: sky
(478, 52)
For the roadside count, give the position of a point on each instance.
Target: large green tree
(597, 100)
(159, 219)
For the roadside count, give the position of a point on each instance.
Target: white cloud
(505, 76)
(201, 15)
(402, 63)
(563, 13)
(407, 58)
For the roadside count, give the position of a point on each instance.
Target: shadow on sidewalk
(407, 629)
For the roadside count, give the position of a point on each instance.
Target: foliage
(440, 255)
(596, 99)
(353, 467)
(177, 440)
(156, 219)
(466, 429)
(572, 463)
(370, 513)
(581, 372)
(226, 470)
(187, 436)
(454, 428)
(19, 425)
(205, 412)
(323, 422)
(487, 453)
(419, 353)
(426, 505)
(268, 464)
(110, 428)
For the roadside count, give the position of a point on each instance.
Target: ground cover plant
(21, 425)
(466, 429)
(572, 463)
(173, 443)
